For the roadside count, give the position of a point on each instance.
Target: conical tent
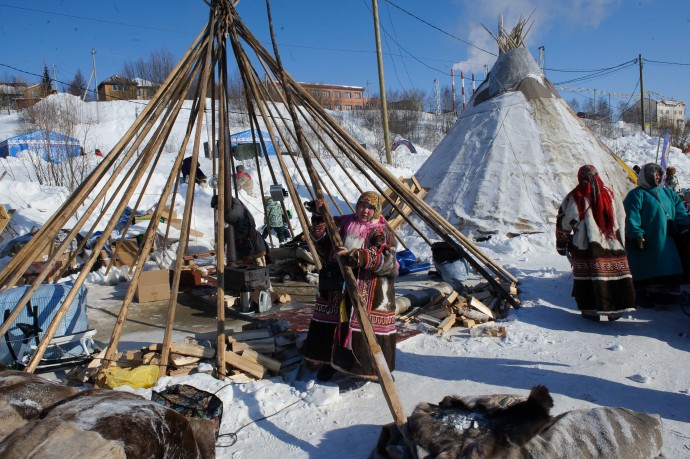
(514, 153)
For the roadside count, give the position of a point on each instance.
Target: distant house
(145, 89)
(31, 95)
(10, 93)
(659, 112)
(117, 87)
(336, 97)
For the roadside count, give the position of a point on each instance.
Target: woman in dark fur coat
(335, 338)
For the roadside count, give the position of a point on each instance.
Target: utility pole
(542, 62)
(437, 97)
(641, 95)
(95, 78)
(382, 85)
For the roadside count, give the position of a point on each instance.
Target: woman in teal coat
(651, 211)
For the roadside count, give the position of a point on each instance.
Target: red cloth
(591, 188)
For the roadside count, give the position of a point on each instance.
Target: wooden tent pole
(189, 200)
(242, 59)
(150, 232)
(374, 349)
(220, 218)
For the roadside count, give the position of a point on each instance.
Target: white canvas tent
(516, 142)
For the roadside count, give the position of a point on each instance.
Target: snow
(638, 362)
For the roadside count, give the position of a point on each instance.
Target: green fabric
(275, 214)
(646, 210)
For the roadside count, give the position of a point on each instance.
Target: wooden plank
(265, 346)
(246, 365)
(447, 323)
(177, 224)
(4, 217)
(272, 364)
(481, 307)
(189, 349)
(247, 335)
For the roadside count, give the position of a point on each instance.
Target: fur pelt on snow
(518, 427)
(23, 396)
(40, 418)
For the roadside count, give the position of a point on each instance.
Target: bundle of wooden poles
(289, 114)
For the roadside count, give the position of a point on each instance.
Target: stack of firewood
(251, 354)
(474, 306)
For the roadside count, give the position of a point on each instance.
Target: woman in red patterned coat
(335, 338)
(590, 228)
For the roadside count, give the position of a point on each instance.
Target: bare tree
(77, 86)
(62, 165)
(155, 69)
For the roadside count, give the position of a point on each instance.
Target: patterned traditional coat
(602, 283)
(648, 210)
(335, 335)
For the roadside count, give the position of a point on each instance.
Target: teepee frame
(205, 63)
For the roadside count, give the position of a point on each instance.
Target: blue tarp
(246, 137)
(47, 299)
(50, 145)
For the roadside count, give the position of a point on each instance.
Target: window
(346, 95)
(325, 93)
(117, 87)
(337, 107)
(348, 107)
(336, 94)
(314, 92)
(358, 95)
(358, 107)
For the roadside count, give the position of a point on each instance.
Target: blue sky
(593, 42)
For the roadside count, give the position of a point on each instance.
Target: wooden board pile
(474, 307)
(251, 354)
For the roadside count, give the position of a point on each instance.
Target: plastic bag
(453, 272)
(141, 377)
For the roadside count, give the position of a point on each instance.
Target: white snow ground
(639, 362)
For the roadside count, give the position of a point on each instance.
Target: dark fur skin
(93, 423)
(512, 422)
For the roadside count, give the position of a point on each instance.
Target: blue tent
(50, 145)
(246, 137)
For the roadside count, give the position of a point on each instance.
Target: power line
(84, 18)
(438, 28)
(663, 62)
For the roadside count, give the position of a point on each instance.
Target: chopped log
(469, 323)
(183, 360)
(272, 364)
(493, 303)
(440, 313)
(473, 314)
(245, 365)
(429, 319)
(462, 302)
(481, 307)
(447, 323)
(229, 301)
(287, 338)
(192, 350)
(152, 358)
(289, 357)
(450, 299)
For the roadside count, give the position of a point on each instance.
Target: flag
(667, 138)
